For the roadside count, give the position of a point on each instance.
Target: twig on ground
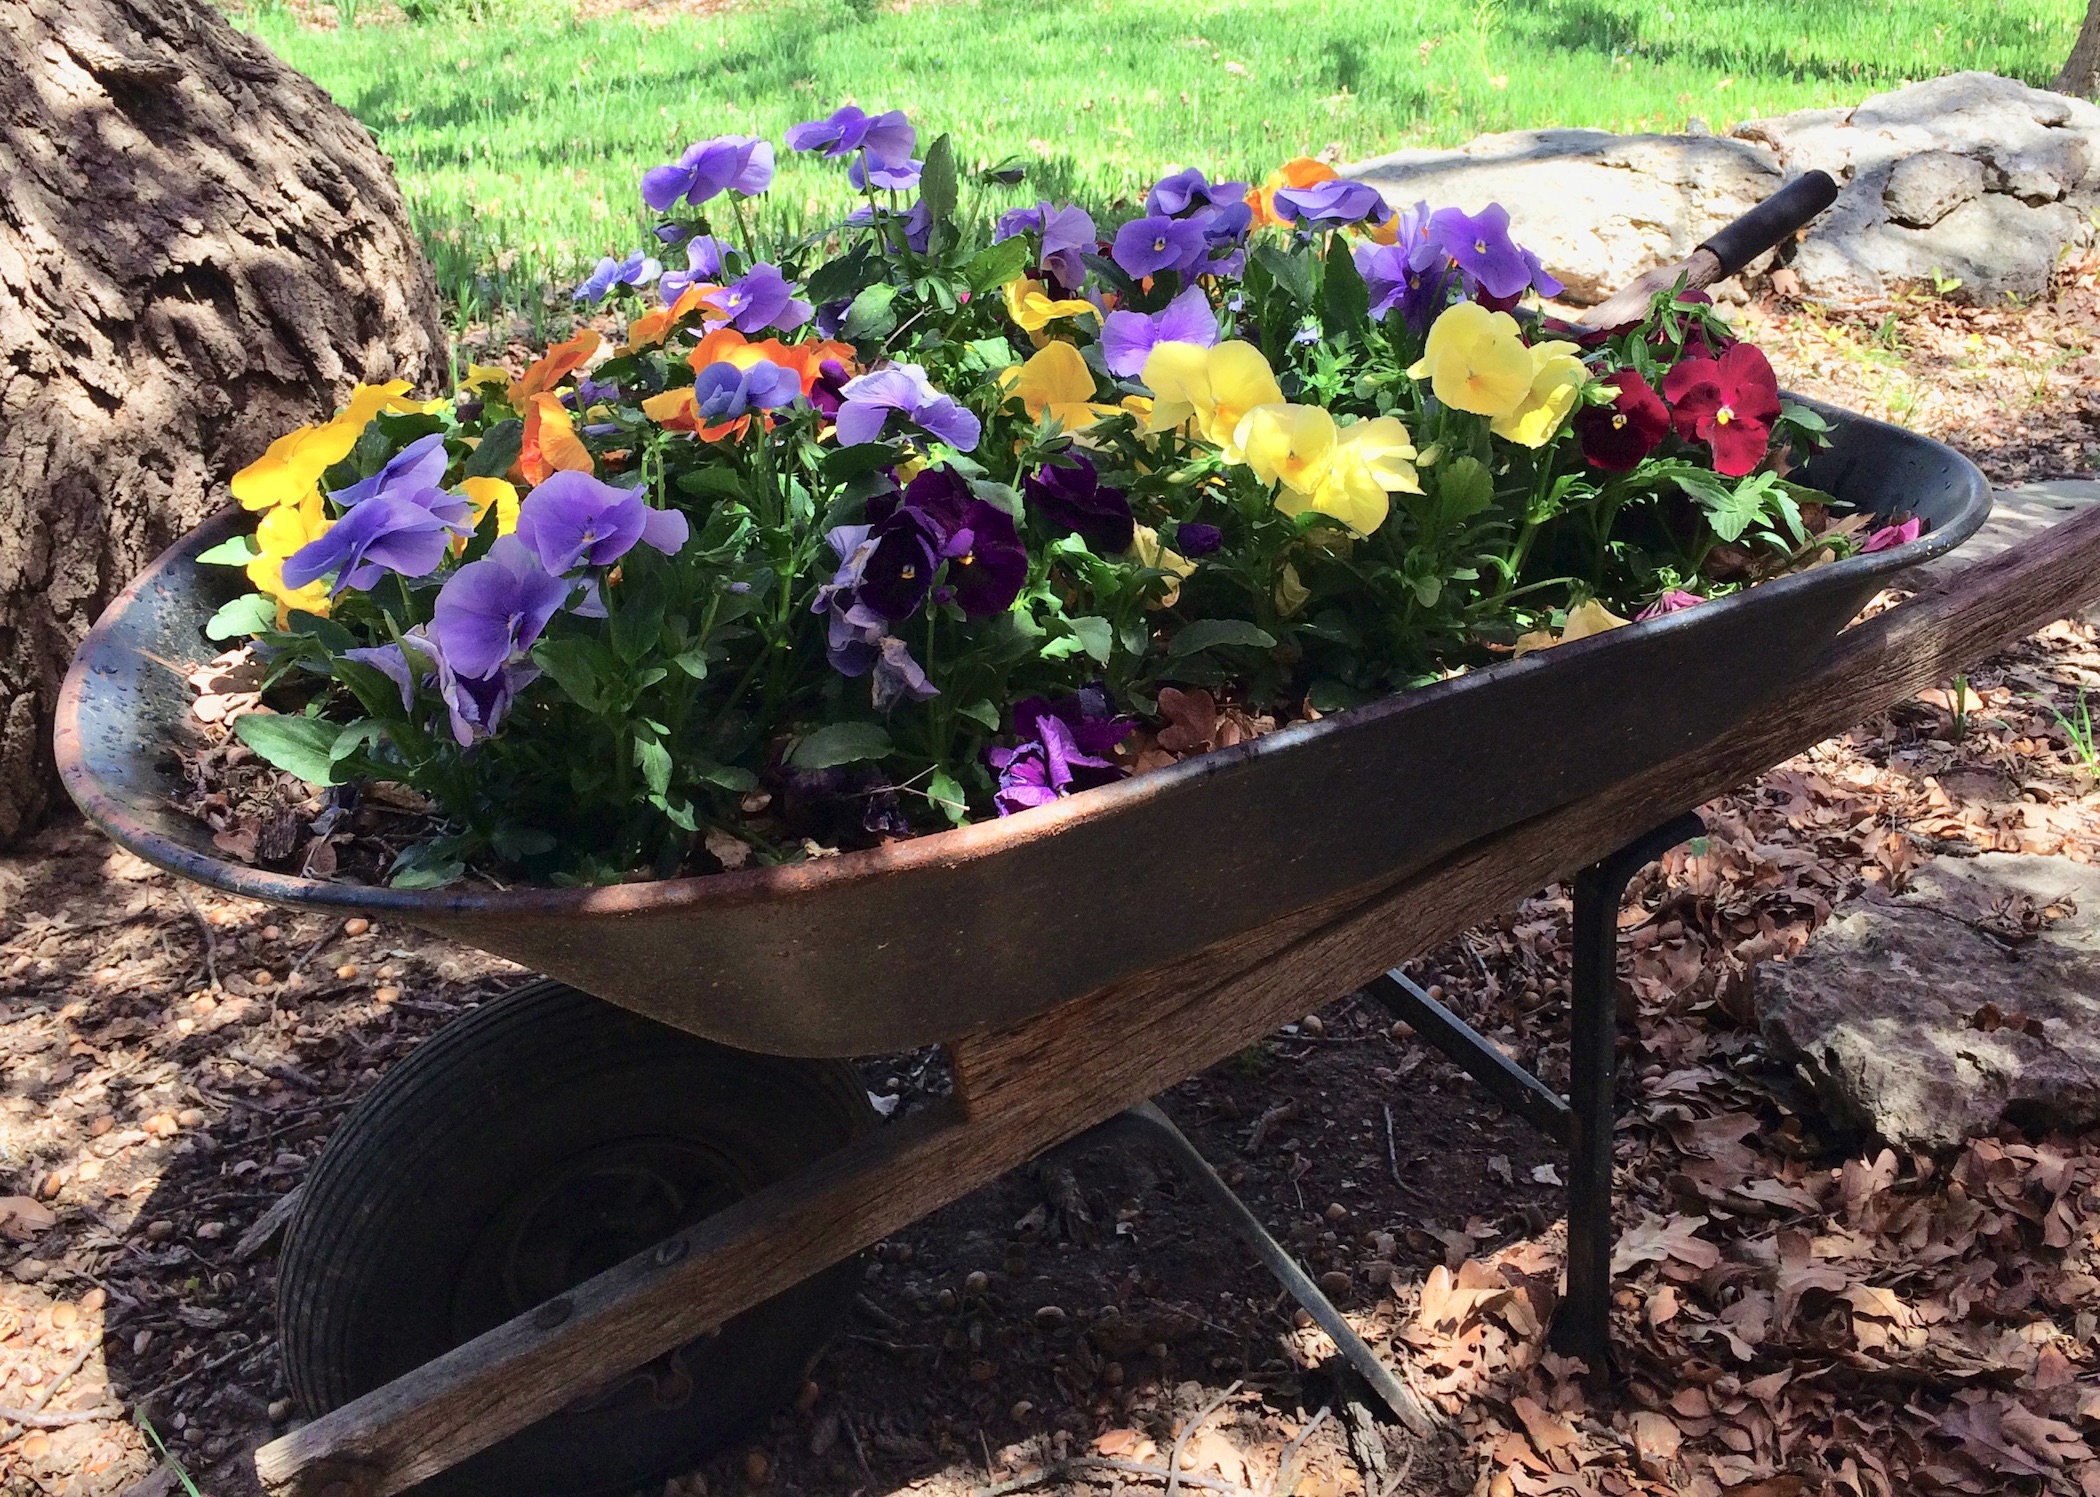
(1392, 1153)
(1080, 1464)
(51, 1388)
(211, 941)
(311, 952)
(1286, 1478)
(244, 1349)
(1181, 1439)
(37, 1419)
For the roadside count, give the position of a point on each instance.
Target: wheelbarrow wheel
(522, 1149)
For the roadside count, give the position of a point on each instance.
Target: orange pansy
(651, 328)
(560, 361)
(551, 443)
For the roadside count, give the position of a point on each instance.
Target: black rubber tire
(523, 1148)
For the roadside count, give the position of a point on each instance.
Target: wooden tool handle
(1784, 213)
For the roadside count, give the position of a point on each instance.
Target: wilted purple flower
(574, 519)
(1074, 498)
(477, 705)
(490, 611)
(897, 675)
(1676, 600)
(418, 466)
(396, 531)
(1065, 746)
(1480, 245)
(1128, 337)
(1067, 235)
(391, 663)
(918, 225)
(1178, 192)
(857, 636)
(1335, 201)
(761, 298)
(1146, 246)
(703, 265)
(1888, 537)
(1193, 538)
(728, 163)
(724, 392)
(902, 177)
(887, 138)
(903, 388)
(637, 269)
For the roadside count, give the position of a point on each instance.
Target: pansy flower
(1128, 338)
(554, 366)
(903, 176)
(1479, 244)
(1616, 437)
(1065, 746)
(1147, 246)
(637, 269)
(1888, 537)
(917, 221)
(1728, 403)
(868, 402)
(729, 163)
(1676, 600)
(703, 265)
(1056, 382)
(419, 465)
(1331, 203)
(475, 704)
(284, 531)
(1215, 387)
(1194, 538)
(1299, 171)
(1066, 235)
(1557, 378)
(289, 472)
(404, 531)
(1071, 496)
(886, 138)
(492, 610)
(1475, 360)
(1180, 193)
(724, 392)
(574, 520)
(760, 299)
(551, 444)
(1033, 308)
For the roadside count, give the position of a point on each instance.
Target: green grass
(519, 140)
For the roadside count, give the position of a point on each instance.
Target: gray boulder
(1929, 1017)
(1925, 188)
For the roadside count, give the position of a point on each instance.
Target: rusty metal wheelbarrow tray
(925, 940)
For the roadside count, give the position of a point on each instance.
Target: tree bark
(198, 251)
(2081, 74)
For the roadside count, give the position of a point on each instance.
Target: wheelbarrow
(593, 1226)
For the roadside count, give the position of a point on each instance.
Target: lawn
(519, 136)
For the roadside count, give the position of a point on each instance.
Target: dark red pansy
(1729, 403)
(1617, 436)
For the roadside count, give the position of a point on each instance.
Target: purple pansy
(1147, 246)
(391, 663)
(1065, 746)
(1180, 192)
(724, 392)
(857, 636)
(987, 564)
(418, 466)
(1411, 275)
(1128, 337)
(1676, 600)
(637, 269)
(759, 299)
(703, 266)
(1335, 201)
(1479, 244)
(887, 138)
(490, 611)
(572, 519)
(917, 220)
(1888, 537)
(476, 704)
(396, 531)
(1067, 235)
(1193, 538)
(903, 176)
(1074, 498)
(728, 163)
(903, 388)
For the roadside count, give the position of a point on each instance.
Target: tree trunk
(2081, 74)
(198, 251)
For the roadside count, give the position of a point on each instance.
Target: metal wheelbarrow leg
(1583, 1120)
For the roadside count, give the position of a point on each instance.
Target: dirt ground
(1797, 1312)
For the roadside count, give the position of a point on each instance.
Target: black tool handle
(1785, 211)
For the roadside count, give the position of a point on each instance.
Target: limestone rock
(1925, 188)
(1928, 1017)
(1597, 208)
(2030, 155)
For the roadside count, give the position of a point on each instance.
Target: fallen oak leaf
(1655, 1240)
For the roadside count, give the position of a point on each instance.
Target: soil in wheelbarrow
(1796, 1316)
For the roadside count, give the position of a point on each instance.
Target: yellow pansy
(1217, 386)
(290, 470)
(500, 493)
(1557, 377)
(481, 376)
(1287, 444)
(285, 529)
(1056, 381)
(1145, 546)
(1372, 459)
(1475, 361)
(1291, 593)
(1033, 308)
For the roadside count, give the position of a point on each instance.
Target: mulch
(1797, 1311)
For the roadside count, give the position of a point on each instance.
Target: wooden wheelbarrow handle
(1783, 213)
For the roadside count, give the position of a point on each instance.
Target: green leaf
(375, 690)
(237, 552)
(990, 354)
(654, 761)
(870, 316)
(701, 481)
(937, 179)
(942, 790)
(1730, 511)
(358, 735)
(999, 496)
(1347, 300)
(1096, 636)
(514, 842)
(499, 448)
(835, 280)
(992, 268)
(1208, 634)
(573, 664)
(692, 661)
(251, 613)
(297, 745)
(984, 714)
(841, 743)
(1465, 488)
(678, 812)
(1292, 273)
(855, 462)
(327, 633)
(428, 865)
(730, 777)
